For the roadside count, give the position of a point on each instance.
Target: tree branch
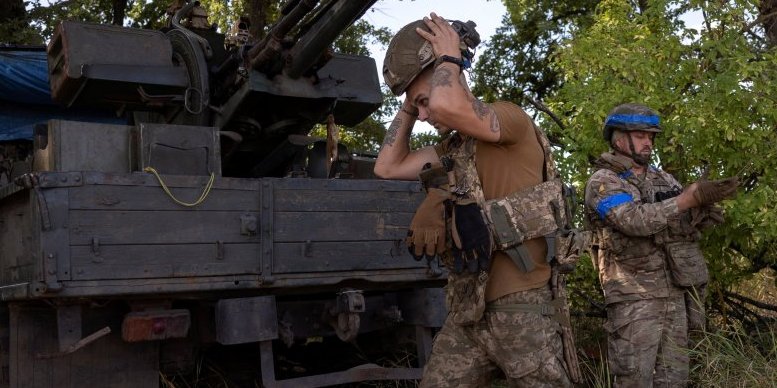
(744, 299)
(542, 108)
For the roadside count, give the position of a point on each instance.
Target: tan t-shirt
(514, 163)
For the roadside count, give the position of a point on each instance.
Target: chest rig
(536, 211)
(679, 240)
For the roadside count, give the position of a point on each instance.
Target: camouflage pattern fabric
(694, 307)
(525, 346)
(686, 263)
(625, 218)
(647, 249)
(465, 297)
(530, 212)
(646, 341)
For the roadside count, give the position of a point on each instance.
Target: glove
(426, 235)
(706, 217)
(710, 192)
(472, 239)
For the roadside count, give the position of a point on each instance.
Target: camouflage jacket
(632, 217)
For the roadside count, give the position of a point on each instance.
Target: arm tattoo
(481, 109)
(441, 77)
(391, 134)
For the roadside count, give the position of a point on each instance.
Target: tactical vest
(537, 211)
(679, 240)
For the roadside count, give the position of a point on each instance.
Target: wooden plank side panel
(340, 226)
(347, 201)
(16, 239)
(157, 227)
(160, 261)
(111, 197)
(342, 256)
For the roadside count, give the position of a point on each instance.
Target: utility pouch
(465, 297)
(569, 245)
(686, 263)
(433, 176)
(524, 215)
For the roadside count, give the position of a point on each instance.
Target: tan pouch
(570, 244)
(526, 214)
(686, 263)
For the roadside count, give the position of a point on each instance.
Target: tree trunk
(768, 10)
(119, 11)
(257, 12)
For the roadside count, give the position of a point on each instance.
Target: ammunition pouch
(568, 245)
(465, 297)
(686, 263)
(525, 215)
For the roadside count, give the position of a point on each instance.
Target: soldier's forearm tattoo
(481, 109)
(391, 133)
(441, 77)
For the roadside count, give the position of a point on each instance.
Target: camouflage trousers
(647, 341)
(525, 346)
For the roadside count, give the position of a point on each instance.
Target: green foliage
(515, 63)
(715, 92)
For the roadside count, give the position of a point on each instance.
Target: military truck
(202, 218)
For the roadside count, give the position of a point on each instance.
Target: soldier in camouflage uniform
(501, 317)
(650, 266)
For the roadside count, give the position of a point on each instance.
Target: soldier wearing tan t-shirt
(495, 319)
(513, 163)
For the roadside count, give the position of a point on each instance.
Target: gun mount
(199, 225)
(257, 95)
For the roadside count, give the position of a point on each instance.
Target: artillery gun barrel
(325, 30)
(270, 46)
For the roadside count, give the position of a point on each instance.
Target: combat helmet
(630, 117)
(408, 54)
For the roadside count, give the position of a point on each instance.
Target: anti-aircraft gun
(210, 222)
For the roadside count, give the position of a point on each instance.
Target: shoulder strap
(549, 171)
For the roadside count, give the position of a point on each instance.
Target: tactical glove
(472, 239)
(710, 192)
(706, 217)
(426, 235)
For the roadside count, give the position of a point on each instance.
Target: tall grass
(733, 358)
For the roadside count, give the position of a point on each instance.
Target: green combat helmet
(408, 54)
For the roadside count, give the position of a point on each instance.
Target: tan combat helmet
(408, 54)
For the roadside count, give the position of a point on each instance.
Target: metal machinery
(210, 219)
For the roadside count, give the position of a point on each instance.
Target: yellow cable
(199, 200)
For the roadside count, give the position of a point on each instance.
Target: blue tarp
(25, 98)
(24, 77)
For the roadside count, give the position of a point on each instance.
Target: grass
(733, 358)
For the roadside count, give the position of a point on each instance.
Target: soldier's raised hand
(710, 192)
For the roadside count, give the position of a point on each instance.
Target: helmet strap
(638, 159)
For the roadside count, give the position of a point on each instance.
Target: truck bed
(92, 234)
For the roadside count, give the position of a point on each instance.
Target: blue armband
(612, 201)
